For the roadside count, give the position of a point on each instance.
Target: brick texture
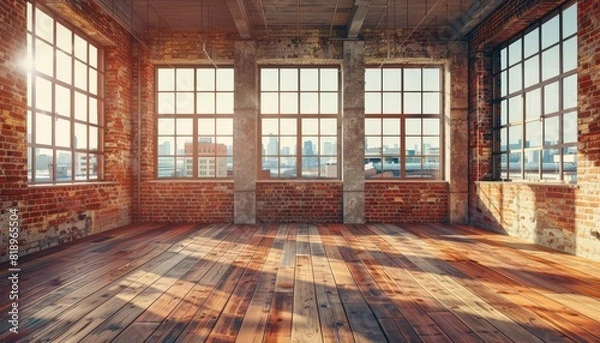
(414, 202)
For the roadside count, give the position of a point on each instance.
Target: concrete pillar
(245, 132)
(353, 132)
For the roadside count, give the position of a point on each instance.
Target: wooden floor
(304, 283)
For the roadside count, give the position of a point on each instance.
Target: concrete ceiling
(253, 18)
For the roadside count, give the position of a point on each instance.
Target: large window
(535, 105)
(403, 111)
(299, 122)
(64, 102)
(195, 122)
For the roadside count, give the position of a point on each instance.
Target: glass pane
(515, 78)
(81, 48)
(551, 165)
(62, 133)
(93, 167)
(44, 57)
(551, 98)
(413, 146)
(271, 166)
(81, 78)
(413, 167)
(29, 127)
(64, 165)
(550, 32)
(373, 145)
(503, 112)
(310, 167)
(570, 21)
(372, 79)
(225, 82)
(81, 106)
(288, 146)
(93, 138)
(309, 103)
(514, 52)
(413, 126)
(391, 126)
(550, 63)
(570, 127)
(412, 103)
(504, 58)
(184, 127)
(392, 103)
(80, 136)
(504, 83)
(431, 79)
(185, 168)
(531, 42)
(309, 79)
(288, 126)
(43, 129)
(431, 103)
(270, 127)
(288, 167)
(570, 54)
(185, 103)
(329, 103)
(166, 146)
(206, 146)
(533, 104)
(62, 101)
(310, 126)
(166, 126)
(289, 80)
(166, 80)
(29, 20)
(551, 133)
(328, 146)
(515, 109)
(269, 103)
(44, 26)
(372, 126)
(289, 103)
(570, 92)
(93, 62)
(392, 79)
(431, 127)
(391, 146)
(515, 137)
(270, 145)
(533, 135)
(310, 146)
(532, 71)
(205, 79)
(93, 111)
(570, 164)
(206, 126)
(185, 79)
(503, 166)
(269, 80)
(224, 103)
(63, 67)
(514, 165)
(43, 94)
(166, 167)
(185, 146)
(93, 79)
(328, 167)
(412, 79)
(431, 146)
(328, 127)
(225, 126)
(166, 103)
(222, 167)
(503, 139)
(532, 165)
(44, 167)
(373, 103)
(329, 80)
(205, 103)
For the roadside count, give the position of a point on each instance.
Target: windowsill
(405, 181)
(207, 180)
(72, 184)
(530, 183)
(299, 180)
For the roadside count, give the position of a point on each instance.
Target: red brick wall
(187, 201)
(407, 202)
(52, 215)
(561, 217)
(299, 201)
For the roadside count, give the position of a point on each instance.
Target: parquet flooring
(303, 283)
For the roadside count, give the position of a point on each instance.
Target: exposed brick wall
(299, 201)
(52, 215)
(407, 202)
(560, 217)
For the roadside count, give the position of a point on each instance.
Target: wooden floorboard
(298, 282)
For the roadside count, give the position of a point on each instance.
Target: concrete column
(245, 132)
(353, 132)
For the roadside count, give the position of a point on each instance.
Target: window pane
(412, 103)
(431, 127)
(44, 165)
(289, 80)
(80, 136)
(185, 79)
(412, 80)
(514, 52)
(551, 164)
(43, 129)
(166, 126)
(503, 139)
(391, 126)
(515, 109)
(185, 146)
(431, 79)
(288, 126)
(329, 80)
(81, 48)
(329, 103)
(270, 145)
(225, 103)
(550, 63)
(391, 146)
(309, 80)
(328, 146)
(570, 92)
(392, 79)
(288, 168)
(43, 94)
(62, 101)
(515, 78)
(271, 165)
(310, 146)
(328, 167)
(270, 126)
(372, 103)
(289, 103)
(413, 146)
(328, 126)
(63, 67)
(185, 103)
(225, 82)
(532, 71)
(269, 103)
(533, 135)
(515, 137)
(570, 127)
(44, 26)
(166, 80)
(515, 166)
(269, 80)
(550, 32)
(93, 60)
(288, 146)
(551, 133)
(205, 103)
(205, 79)
(570, 54)
(413, 126)
(93, 79)
(64, 166)
(81, 78)
(310, 126)
(93, 138)
(372, 79)
(166, 146)
(551, 98)
(372, 126)
(184, 126)
(431, 103)
(44, 57)
(309, 103)
(532, 43)
(392, 103)
(224, 126)
(533, 104)
(62, 133)
(532, 165)
(166, 167)
(373, 145)
(570, 21)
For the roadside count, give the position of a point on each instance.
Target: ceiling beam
(357, 17)
(240, 17)
(472, 16)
